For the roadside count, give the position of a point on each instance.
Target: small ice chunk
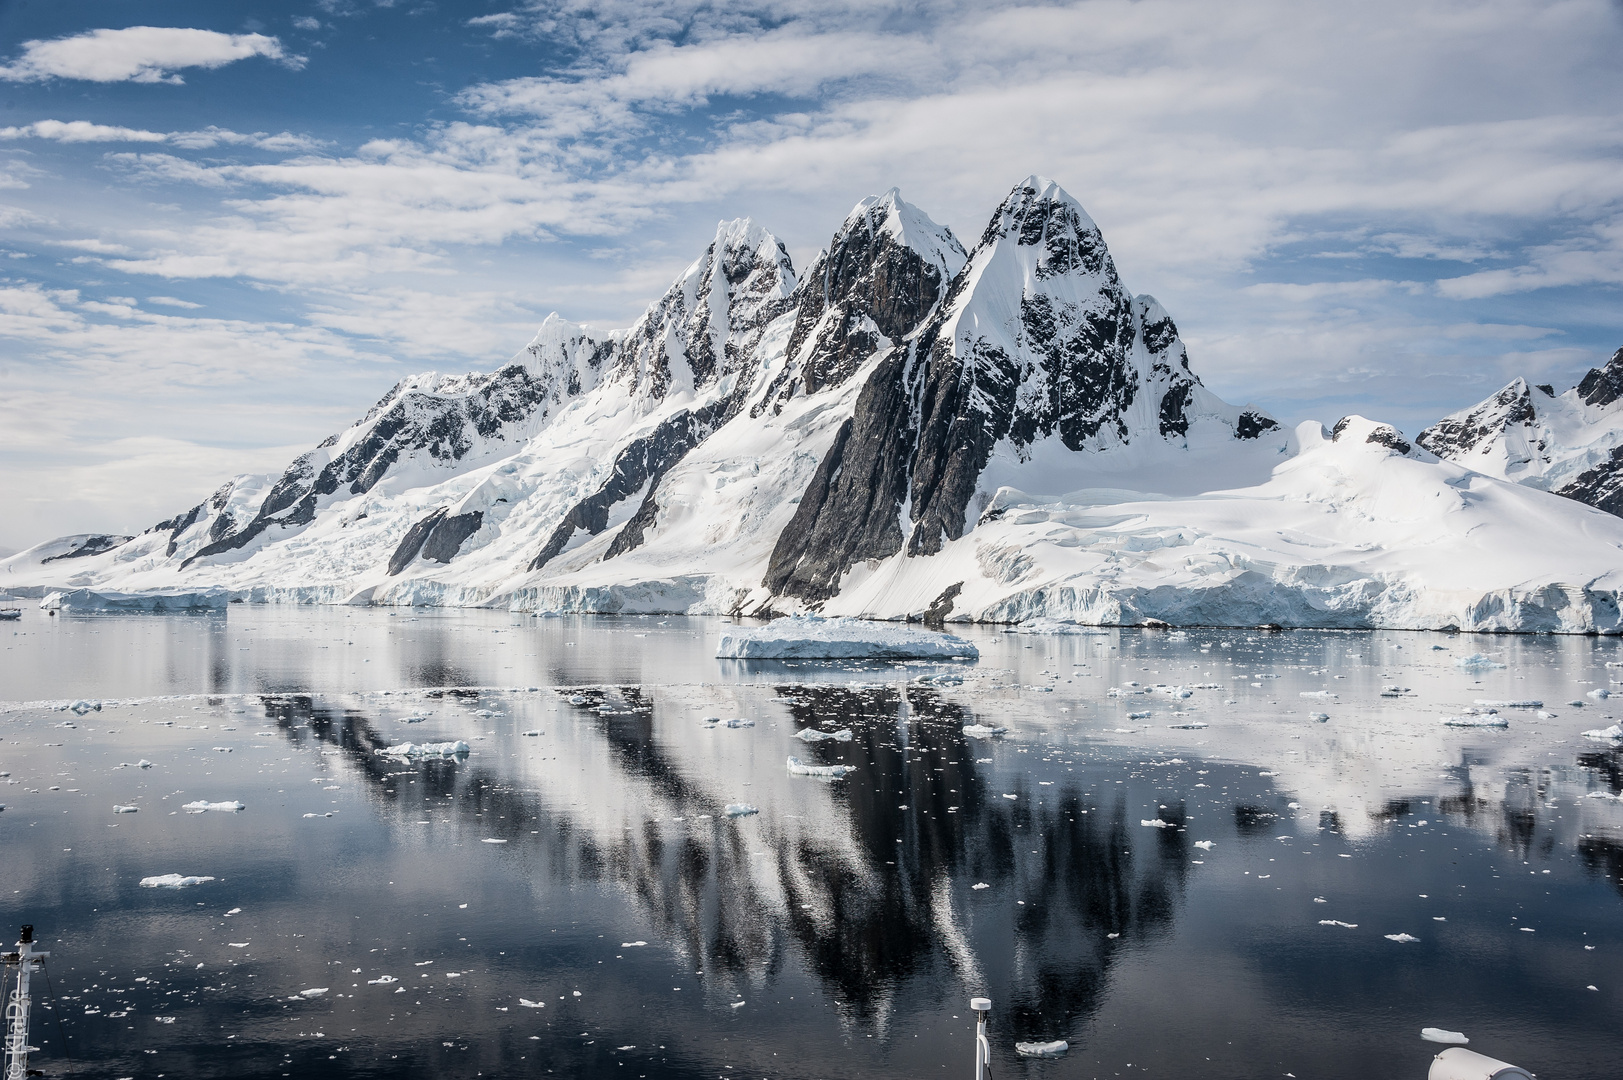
(738, 722)
(1057, 1048)
(980, 885)
(1402, 939)
(1323, 695)
(737, 1004)
(740, 809)
(632, 944)
(983, 731)
(119, 809)
(82, 707)
(433, 749)
(1338, 922)
(1613, 732)
(528, 1004)
(812, 638)
(813, 735)
(172, 881)
(1443, 1035)
(532, 734)
(1321, 717)
(1156, 823)
(313, 992)
(1205, 845)
(1600, 693)
(1138, 716)
(1192, 725)
(201, 806)
(1489, 703)
(833, 772)
(577, 699)
(1477, 662)
(945, 678)
(492, 840)
(382, 980)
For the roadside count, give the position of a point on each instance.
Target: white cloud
(80, 131)
(143, 54)
(170, 301)
(84, 131)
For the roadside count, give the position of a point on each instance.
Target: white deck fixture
(983, 1049)
(26, 960)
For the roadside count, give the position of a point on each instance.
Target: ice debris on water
(945, 678)
(119, 808)
(433, 749)
(1138, 716)
(833, 772)
(1056, 1048)
(142, 764)
(1613, 732)
(528, 1004)
(1321, 717)
(313, 992)
(980, 885)
(1338, 922)
(1477, 662)
(1192, 725)
(740, 809)
(1477, 718)
(1443, 1035)
(382, 980)
(1156, 823)
(1600, 693)
(813, 735)
(172, 881)
(1205, 845)
(1402, 939)
(203, 807)
(1527, 703)
(492, 840)
(983, 731)
(809, 637)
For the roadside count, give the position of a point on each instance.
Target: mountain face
(1570, 444)
(908, 430)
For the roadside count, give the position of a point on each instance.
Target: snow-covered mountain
(908, 430)
(1570, 443)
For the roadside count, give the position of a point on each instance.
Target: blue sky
(227, 228)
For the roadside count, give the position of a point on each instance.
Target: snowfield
(911, 431)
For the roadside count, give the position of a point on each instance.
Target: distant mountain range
(908, 430)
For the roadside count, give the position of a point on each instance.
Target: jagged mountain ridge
(888, 436)
(1570, 444)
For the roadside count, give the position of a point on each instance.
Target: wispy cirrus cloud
(142, 54)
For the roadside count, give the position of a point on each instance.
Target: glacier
(908, 430)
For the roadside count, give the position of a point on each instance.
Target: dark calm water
(840, 931)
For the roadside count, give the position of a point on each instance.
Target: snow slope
(1570, 443)
(909, 430)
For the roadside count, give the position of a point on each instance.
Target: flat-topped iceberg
(807, 637)
(173, 881)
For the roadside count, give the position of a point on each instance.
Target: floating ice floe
(82, 707)
(1156, 823)
(1600, 694)
(833, 772)
(1488, 703)
(1179, 692)
(740, 809)
(813, 735)
(1472, 718)
(1402, 939)
(1191, 725)
(1138, 716)
(432, 749)
(1054, 626)
(531, 734)
(1323, 695)
(577, 699)
(172, 881)
(1477, 662)
(142, 764)
(1394, 691)
(632, 944)
(1321, 717)
(313, 992)
(492, 840)
(980, 885)
(1338, 922)
(808, 637)
(528, 1004)
(1057, 1048)
(202, 807)
(1613, 732)
(382, 980)
(1205, 845)
(1443, 1035)
(119, 808)
(983, 731)
(945, 678)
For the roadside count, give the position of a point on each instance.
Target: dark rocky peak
(881, 277)
(706, 327)
(1470, 429)
(1603, 385)
(1356, 427)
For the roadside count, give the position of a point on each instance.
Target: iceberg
(812, 735)
(433, 749)
(1477, 720)
(1613, 732)
(1477, 662)
(809, 637)
(983, 731)
(1042, 1049)
(1443, 1035)
(172, 881)
(832, 772)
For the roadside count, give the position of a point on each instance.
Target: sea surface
(1173, 859)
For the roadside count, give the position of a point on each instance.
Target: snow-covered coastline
(910, 431)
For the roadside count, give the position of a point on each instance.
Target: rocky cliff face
(1034, 339)
(1570, 444)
